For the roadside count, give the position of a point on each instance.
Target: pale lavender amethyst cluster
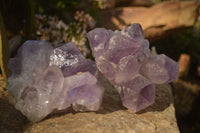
(45, 79)
(125, 60)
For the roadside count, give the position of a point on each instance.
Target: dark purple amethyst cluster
(46, 79)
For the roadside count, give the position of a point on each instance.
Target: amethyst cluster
(125, 60)
(44, 80)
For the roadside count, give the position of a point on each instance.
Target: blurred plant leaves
(4, 50)
(29, 18)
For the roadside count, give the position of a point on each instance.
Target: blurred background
(171, 26)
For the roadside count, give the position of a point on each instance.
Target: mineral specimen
(125, 60)
(45, 79)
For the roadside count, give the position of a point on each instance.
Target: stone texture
(112, 117)
(157, 21)
(184, 65)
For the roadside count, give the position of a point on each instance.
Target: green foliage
(75, 17)
(57, 7)
(29, 18)
(4, 50)
(65, 9)
(19, 17)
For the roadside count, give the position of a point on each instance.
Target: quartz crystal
(44, 80)
(126, 61)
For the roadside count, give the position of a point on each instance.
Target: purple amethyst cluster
(45, 79)
(125, 60)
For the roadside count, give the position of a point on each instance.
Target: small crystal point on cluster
(126, 61)
(45, 79)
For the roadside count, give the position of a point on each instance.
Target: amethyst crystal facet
(125, 60)
(45, 79)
